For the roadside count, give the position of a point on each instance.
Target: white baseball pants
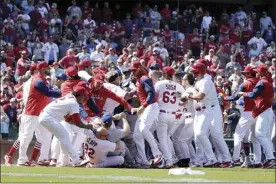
(28, 126)
(142, 133)
(61, 134)
(264, 125)
(202, 123)
(216, 130)
(55, 148)
(243, 127)
(166, 126)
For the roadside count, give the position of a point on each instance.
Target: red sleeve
(116, 98)
(6, 107)
(74, 118)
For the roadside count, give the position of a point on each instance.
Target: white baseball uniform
(51, 117)
(96, 151)
(169, 117)
(84, 75)
(184, 135)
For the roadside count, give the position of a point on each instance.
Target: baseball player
(207, 118)
(183, 136)
(26, 88)
(100, 94)
(263, 95)
(66, 107)
(169, 117)
(148, 113)
(96, 150)
(246, 120)
(39, 97)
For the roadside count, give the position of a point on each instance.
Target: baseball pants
(182, 140)
(216, 130)
(202, 123)
(45, 144)
(28, 126)
(244, 125)
(55, 148)
(273, 137)
(264, 124)
(166, 126)
(142, 133)
(61, 134)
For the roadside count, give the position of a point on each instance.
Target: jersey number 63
(169, 97)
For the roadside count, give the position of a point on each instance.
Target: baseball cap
(154, 66)
(61, 76)
(99, 78)
(84, 63)
(248, 69)
(80, 90)
(107, 119)
(33, 67)
(262, 68)
(168, 70)
(135, 65)
(203, 61)
(198, 66)
(13, 100)
(42, 65)
(71, 71)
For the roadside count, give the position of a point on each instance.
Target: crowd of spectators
(111, 37)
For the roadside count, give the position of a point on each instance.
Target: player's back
(167, 95)
(66, 105)
(96, 150)
(207, 87)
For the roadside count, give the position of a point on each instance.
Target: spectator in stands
(258, 40)
(70, 60)
(74, 11)
(50, 51)
(265, 21)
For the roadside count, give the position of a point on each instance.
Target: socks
(14, 147)
(36, 150)
(246, 148)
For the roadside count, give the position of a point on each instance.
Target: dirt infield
(6, 145)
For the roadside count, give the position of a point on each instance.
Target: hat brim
(133, 69)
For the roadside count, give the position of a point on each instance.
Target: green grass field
(74, 175)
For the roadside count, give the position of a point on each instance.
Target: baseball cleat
(246, 163)
(237, 163)
(269, 164)
(43, 163)
(26, 164)
(8, 160)
(157, 159)
(226, 165)
(53, 162)
(210, 163)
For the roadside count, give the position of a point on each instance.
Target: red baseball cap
(71, 71)
(168, 70)
(248, 69)
(85, 63)
(203, 61)
(99, 78)
(262, 68)
(33, 67)
(80, 90)
(42, 65)
(135, 66)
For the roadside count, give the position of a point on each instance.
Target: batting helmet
(198, 69)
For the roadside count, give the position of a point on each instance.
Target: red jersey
(227, 44)
(36, 100)
(265, 100)
(68, 61)
(18, 50)
(248, 86)
(20, 67)
(9, 61)
(153, 59)
(165, 13)
(210, 45)
(100, 97)
(195, 44)
(67, 86)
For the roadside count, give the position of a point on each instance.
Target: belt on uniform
(202, 108)
(163, 111)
